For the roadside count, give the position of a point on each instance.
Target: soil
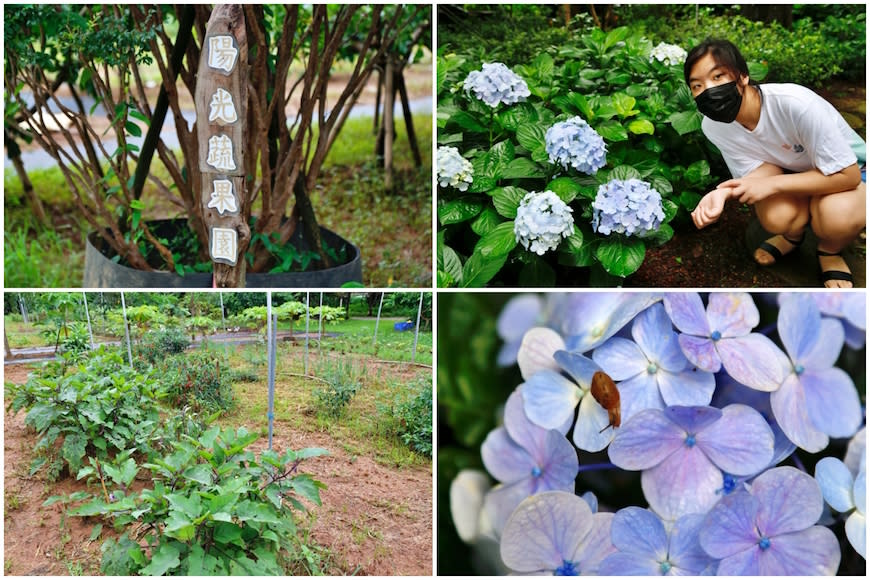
(375, 520)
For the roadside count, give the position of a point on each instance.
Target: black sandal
(776, 252)
(827, 275)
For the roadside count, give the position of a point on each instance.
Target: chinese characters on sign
(222, 198)
(220, 153)
(222, 108)
(221, 53)
(224, 244)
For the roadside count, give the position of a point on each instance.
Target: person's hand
(710, 208)
(750, 190)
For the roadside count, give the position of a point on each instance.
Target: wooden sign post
(221, 116)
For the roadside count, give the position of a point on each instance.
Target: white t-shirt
(798, 131)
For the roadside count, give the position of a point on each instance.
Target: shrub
(215, 508)
(158, 344)
(77, 342)
(96, 408)
(244, 375)
(414, 417)
(201, 380)
(343, 380)
(619, 115)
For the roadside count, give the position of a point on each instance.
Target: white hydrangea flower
(542, 221)
(668, 54)
(453, 169)
(496, 84)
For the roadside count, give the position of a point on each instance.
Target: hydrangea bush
(740, 451)
(603, 110)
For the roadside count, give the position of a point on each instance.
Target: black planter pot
(102, 272)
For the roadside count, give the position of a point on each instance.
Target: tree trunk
(768, 13)
(409, 119)
(389, 130)
(14, 152)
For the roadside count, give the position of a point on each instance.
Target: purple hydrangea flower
(850, 308)
(542, 221)
(721, 336)
(684, 450)
(846, 492)
(653, 371)
(573, 143)
(769, 530)
(520, 314)
(526, 459)
(629, 207)
(495, 84)
(816, 400)
(556, 533)
(646, 548)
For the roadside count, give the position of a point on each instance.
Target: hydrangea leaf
(620, 257)
(507, 199)
(498, 242)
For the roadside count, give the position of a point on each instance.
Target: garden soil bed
(375, 520)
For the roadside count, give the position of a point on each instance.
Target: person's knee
(782, 218)
(837, 215)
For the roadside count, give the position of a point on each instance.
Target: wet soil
(375, 520)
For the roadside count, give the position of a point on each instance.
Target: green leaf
(620, 256)
(537, 274)
(199, 473)
(95, 533)
(624, 105)
(195, 561)
(478, 270)
(137, 115)
(189, 505)
(661, 185)
(458, 210)
(179, 526)
(663, 235)
(613, 131)
(468, 122)
(625, 172)
(307, 487)
(133, 129)
(685, 122)
(522, 168)
(41, 416)
(641, 127)
(507, 199)
(532, 137)
(574, 252)
(227, 533)
(698, 172)
(617, 78)
(448, 262)
(486, 221)
(514, 117)
(566, 188)
(498, 158)
(73, 450)
(257, 512)
(164, 559)
(498, 242)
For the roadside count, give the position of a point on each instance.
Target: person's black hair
(725, 54)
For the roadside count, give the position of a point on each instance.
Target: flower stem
(596, 467)
(491, 117)
(797, 462)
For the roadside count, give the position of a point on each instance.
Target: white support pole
(23, 307)
(224, 323)
(88, 316)
(270, 338)
(126, 330)
(320, 323)
(417, 328)
(378, 320)
(307, 319)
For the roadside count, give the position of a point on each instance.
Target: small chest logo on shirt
(797, 147)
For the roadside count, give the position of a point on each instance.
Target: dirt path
(374, 520)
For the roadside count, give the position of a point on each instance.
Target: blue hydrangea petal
(856, 532)
(684, 549)
(700, 352)
(523, 431)
(798, 324)
(740, 443)
(620, 358)
(753, 360)
(856, 452)
(732, 313)
(503, 458)
(507, 355)
(789, 406)
(729, 528)
(639, 531)
(558, 461)
(832, 402)
(596, 546)
(589, 319)
(653, 332)
(827, 347)
(639, 393)
(859, 491)
(743, 563)
(544, 531)
(625, 564)
(501, 501)
(691, 387)
(589, 432)
(550, 399)
(686, 310)
(789, 500)
(836, 482)
(811, 552)
(693, 419)
(579, 367)
(536, 352)
(686, 482)
(645, 441)
(518, 315)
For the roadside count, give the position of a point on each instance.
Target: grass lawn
(393, 230)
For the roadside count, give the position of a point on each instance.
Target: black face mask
(720, 103)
